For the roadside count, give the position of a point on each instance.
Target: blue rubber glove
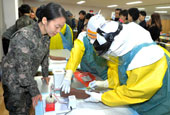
(94, 97)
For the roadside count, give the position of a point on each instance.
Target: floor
(3, 110)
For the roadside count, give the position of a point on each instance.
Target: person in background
(84, 54)
(29, 48)
(123, 16)
(24, 20)
(81, 20)
(142, 69)
(68, 20)
(6, 36)
(142, 15)
(117, 13)
(133, 15)
(71, 20)
(63, 39)
(87, 17)
(155, 26)
(33, 16)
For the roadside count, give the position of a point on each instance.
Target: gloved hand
(65, 86)
(94, 97)
(95, 83)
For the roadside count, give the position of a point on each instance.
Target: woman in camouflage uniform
(29, 48)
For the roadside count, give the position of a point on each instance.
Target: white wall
(10, 8)
(2, 28)
(74, 9)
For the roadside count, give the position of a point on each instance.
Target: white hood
(131, 36)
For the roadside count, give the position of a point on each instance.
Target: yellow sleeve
(112, 74)
(76, 55)
(141, 85)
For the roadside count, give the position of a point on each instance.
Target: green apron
(93, 63)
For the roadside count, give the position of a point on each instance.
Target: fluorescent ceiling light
(135, 2)
(161, 11)
(163, 7)
(81, 2)
(141, 8)
(111, 6)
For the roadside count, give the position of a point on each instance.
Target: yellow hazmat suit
(56, 41)
(136, 90)
(83, 53)
(143, 69)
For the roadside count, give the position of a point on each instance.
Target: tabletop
(82, 108)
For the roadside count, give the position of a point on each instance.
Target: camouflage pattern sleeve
(9, 32)
(21, 53)
(24, 21)
(45, 65)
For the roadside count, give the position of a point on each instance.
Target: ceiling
(149, 5)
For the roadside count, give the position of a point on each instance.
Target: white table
(83, 108)
(54, 64)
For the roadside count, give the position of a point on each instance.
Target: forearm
(45, 65)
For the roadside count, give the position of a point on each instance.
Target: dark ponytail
(39, 13)
(50, 11)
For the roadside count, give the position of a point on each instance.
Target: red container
(50, 107)
(84, 77)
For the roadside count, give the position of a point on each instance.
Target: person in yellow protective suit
(143, 67)
(83, 53)
(63, 39)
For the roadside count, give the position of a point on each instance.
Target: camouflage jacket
(9, 32)
(28, 49)
(23, 21)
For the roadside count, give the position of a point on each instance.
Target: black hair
(88, 16)
(124, 13)
(69, 14)
(143, 13)
(32, 11)
(50, 11)
(82, 12)
(25, 8)
(134, 12)
(118, 9)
